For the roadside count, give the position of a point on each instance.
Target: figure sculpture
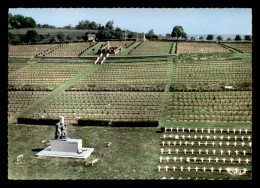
(61, 129)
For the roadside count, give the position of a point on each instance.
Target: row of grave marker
(187, 143)
(202, 130)
(205, 137)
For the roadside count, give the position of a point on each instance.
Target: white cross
(161, 159)
(199, 143)
(199, 151)
(243, 144)
(173, 168)
(239, 160)
(171, 136)
(214, 130)
(177, 129)
(162, 150)
(174, 158)
(234, 130)
(184, 151)
(235, 137)
(180, 142)
(213, 143)
(177, 151)
(166, 168)
(196, 129)
(169, 143)
(171, 129)
(224, 160)
(244, 170)
(229, 152)
(221, 137)
(212, 169)
(216, 160)
(196, 168)
(202, 159)
(192, 151)
(206, 143)
(247, 160)
(164, 136)
(188, 168)
(209, 159)
(242, 137)
(167, 159)
(181, 158)
(172, 178)
(214, 137)
(189, 129)
(221, 152)
(219, 169)
(227, 130)
(188, 159)
(208, 137)
(221, 130)
(183, 129)
(174, 143)
(244, 152)
(195, 137)
(235, 144)
(220, 143)
(231, 160)
(169, 151)
(181, 168)
(189, 136)
(249, 144)
(240, 131)
(186, 143)
(201, 137)
(194, 159)
(246, 131)
(227, 143)
(159, 168)
(163, 143)
(214, 151)
(208, 130)
(202, 130)
(183, 136)
(236, 152)
(204, 168)
(228, 137)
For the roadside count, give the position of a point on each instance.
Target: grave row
(207, 144)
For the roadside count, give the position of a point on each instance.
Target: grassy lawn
(133, 153)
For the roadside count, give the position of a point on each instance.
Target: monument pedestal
(66, 148)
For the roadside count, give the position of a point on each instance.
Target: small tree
(210, 37)
(178, 32)
(219, 38)
(30, 36)
(201, 37)
(247, 37)
(228, 39)
(168, 35)
(61, 37)
(192, 38)
(238, 38)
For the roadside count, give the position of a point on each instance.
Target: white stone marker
(250, 144)
(186, 143)
(227, 130)
(183, 136)
(192, 143)
(174, 143)
(236, 152)
(220, 143)
(188, 159)
(209, 159)
(181, 158)
(235, 137)
(199, 151)
(195, 137)
(176, 137)
(177, 151)
(221, 152)
(192, 151)
(242, 137)
(216, 159)
(188, 169)
(161, 159)
(167, 159)
(204, 169)
(202, 130)
(207, 151)
(189, 129)
(169, 143)
(214, 137)
(174, 158)
(244, 152)
(163, 143)
(231, 160)
(206, 143)
(244, 170)
(174, 168)
(164, 136)
(159, 168)
(202, 159)
(212, 169)
(234, 130)
(246, 131)
(227, 143)
(189, 136)
(194, 159)
(180, 142)
(239, 160)
(196, 129)
(224, 160)
(228, 137)
(183, 129)
(243, 144)
(240, 131)
(181, 168)
(247, 160)
(185, 151)
(219, 169)
(228, 151)
(235, 144)
(166, 168)
(213, 143)
(221, 130)
(177, 129)
(201, 137)
(221, 137)
(199, 143)
(214, 151)
(214, 130)
(169, 151)
(196, 168)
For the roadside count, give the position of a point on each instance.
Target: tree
(13, 39)
(228, 39)
(238, 38)
(61, 37)
(201, 37)
(18, 21)
(30, 36)
(109, 25)
(168, 35)
(130, 35)
(247, 37)
(210, 37)
(178, 32)
(219, 38)
(192, 38)
(150, 35)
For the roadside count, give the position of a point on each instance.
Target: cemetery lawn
(133, 153)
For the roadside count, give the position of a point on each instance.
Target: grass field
(186, 91)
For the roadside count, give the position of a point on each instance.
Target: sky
(161, 20)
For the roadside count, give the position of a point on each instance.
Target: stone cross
(192, 151)
(213, 143)
(174, 158)
(192, 143)
(234, 130)
(166, 168)
(181, 158)
(180, 142)
(184, 151)
(221, 130)
(243, 144)
(196, 168)
(160, 159)
(201, 137)
(235, 144)
(162, 150)
(247, 160)
(250, 144)
(221, 137)
(235, 137)
(246, 131)
(224, 160)
(169, 151)
(208, 137)
(216, 160)
(227, 130)
(196, 129)
(220, 143)
(219, 169)
(227, 143)
(202, 159)
(204, 168)
(195, 137)
(181, 168)
(221, 152)
(206, 143)
(239, 160)
(188, 168)
(209, 159)
(174, 143)
(199, 151)
(214, 137)
(202, 130)
(174, 167)
(189, 136)
(177, 151)
(176, 137)
(167, 159)
(228, 152)
(207, 151)
(236, 152)
(242, 137)
(169, 143)
(212, 169)
(186, 143)
(214, 151)
(183, 129)
(231, 160)
(194, 159)
(214, 130)
(159, 168)
(228, 137)
(171, 129)
(244, 152)
(240, 131)
(164, 136)
(163, 143)
(208, 130)
(189, 129)
(177, 129)
(183, 136)
(188, 159)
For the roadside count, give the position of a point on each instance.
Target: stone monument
(62, 146)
